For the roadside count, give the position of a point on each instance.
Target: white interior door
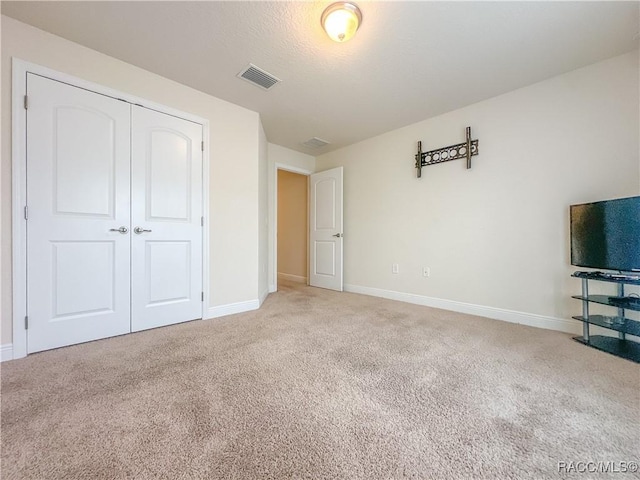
(325, 225)
(166, 216)
(78, 197)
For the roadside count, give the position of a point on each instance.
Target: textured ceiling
(409, 61)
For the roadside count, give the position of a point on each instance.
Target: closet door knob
(122, 230)
(139, 230)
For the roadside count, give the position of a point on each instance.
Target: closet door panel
(166, 207)
(78, 194)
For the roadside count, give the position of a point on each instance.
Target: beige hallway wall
(292, 224)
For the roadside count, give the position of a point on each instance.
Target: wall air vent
(315, 142)
(258, 77)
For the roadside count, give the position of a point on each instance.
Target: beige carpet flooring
(320, 385)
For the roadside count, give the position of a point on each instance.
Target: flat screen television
(606, 235)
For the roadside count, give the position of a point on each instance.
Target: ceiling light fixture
(341, 20)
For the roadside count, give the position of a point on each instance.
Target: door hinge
(202, 296)
(202, 145)
(26, 102)
(26, 322)
(202, 221)
(26, 212)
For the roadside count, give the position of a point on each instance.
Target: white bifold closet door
(166, 212)
(97, 169)
(78, 273)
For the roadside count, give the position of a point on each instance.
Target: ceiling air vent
(258, 77)
(315, 142)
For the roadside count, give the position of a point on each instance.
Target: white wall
(263, 216)
(5, 333)
(234, 158)
(496, 235)
(281, 157)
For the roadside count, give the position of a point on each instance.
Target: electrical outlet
(395, 268)
(426, 272)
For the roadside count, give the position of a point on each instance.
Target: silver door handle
(139, 230)
(122, 230)
(338, 235)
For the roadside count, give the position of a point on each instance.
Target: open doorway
(292, 252)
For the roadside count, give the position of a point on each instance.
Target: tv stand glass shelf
(620, 346)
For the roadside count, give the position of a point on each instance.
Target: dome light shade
(341, 21)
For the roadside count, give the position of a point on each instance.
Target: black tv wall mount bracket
(465, 149)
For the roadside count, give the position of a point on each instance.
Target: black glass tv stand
(620, 346)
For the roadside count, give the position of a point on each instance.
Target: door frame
(274, 236)
(19, 184)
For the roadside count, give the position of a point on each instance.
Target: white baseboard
(6, 352)
(531, 319)
(263, 297)
(292, 278)
(272, 289)
(231, 308)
